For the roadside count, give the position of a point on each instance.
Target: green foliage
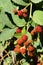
(7, 61)
(20, 2)
(4, 20)
(18, 21)
(7, 34)
(38, 17)
(7, 5)
(2, 47)
(23, 61)
(9, 22)
(36, 1)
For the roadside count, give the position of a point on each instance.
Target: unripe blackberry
(32, 32)
(38, 29)
(20, 41)
(20, 13)
(22, 50)
(24, 37)
(27, 42)
(24, 10)
(17, 46)
(39, 63)
(18, 30)
(17, 50)
(25, 15)
(31, 54)
(30, 48)
(15, 11)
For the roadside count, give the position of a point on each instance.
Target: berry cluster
(24, 45)
(21, 13)
(37, 29)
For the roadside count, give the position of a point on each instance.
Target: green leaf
(36, 1)
(7, 34)
(18, 35)
(7, 61)
(37, 43)
(40, 50)
(26, 63)
(2, 24)
(29, 36)
(4, 20)
(2, 48)
(24, 31)
(7, 5)
(23, 60)
(38, 17)
(18, 21)
(33, 23)
(20, 2)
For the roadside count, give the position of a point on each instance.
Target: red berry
(18, 30)
(24, 10)
(33, 32)
(20, 13)
(24, 37)
(17, 46)
(25, 15)
(39, 29)
(25, 43)
(30, 48)
(30, 54)
(20, 41)
(23, 50)
(17, 49)
(15, 11)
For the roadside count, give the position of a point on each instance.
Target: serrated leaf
(18, 21)
(38, 17)
(20, 2)
(7, 5)
(7, 34)
(36, 1)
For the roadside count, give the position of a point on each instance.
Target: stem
(2, 59)
(31, 10)
(28, 26)
(27, 5)
(40, 42)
